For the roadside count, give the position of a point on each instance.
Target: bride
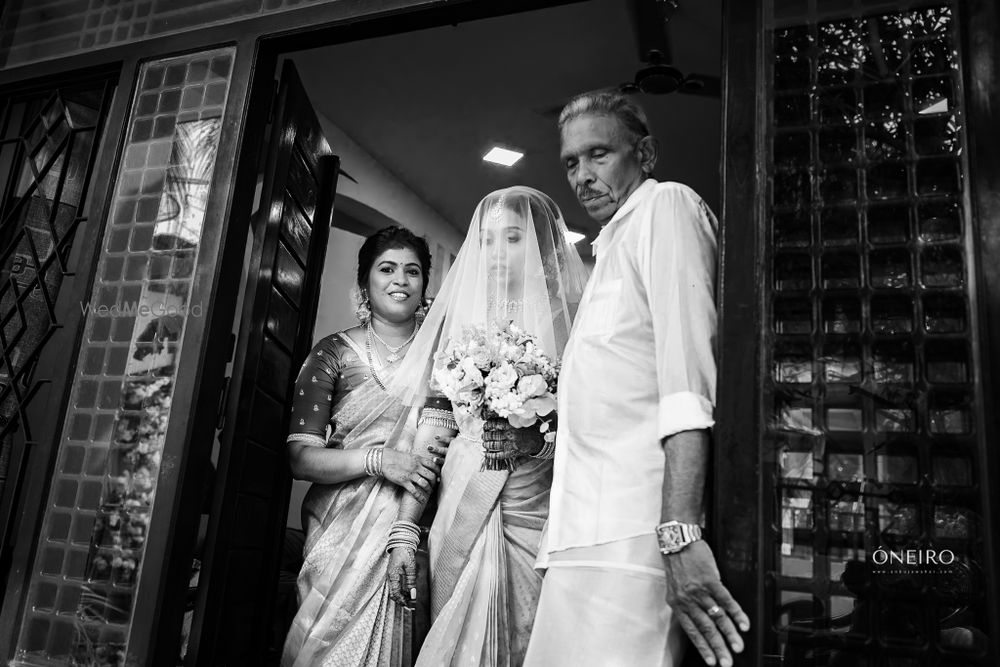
(515, 266)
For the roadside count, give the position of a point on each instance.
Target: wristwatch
(674, 535)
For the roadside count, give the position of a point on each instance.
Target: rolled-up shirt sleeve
(678, 268)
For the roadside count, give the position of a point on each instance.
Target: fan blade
(701, 84)
(649, 20)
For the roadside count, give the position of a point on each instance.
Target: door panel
(233, 617)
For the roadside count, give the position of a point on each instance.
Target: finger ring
(714, 611)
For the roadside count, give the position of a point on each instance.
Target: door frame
(979, 28)
(736, 519)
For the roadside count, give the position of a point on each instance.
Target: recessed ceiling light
(502, 156)
(574, 237)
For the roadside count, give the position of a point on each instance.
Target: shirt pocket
(601, 316)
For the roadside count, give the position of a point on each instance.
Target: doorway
(410, 115)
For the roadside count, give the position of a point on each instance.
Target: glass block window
(89, 556)
(871, 405)
(36, 30)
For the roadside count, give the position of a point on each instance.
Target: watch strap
(674, 535)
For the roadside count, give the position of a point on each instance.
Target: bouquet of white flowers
(498, 374)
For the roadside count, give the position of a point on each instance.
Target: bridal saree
(483, 546)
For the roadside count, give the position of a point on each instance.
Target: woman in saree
(515, 266)
(362, 469)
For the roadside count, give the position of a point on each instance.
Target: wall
(377, 199)
(380, 189)
(37, 30)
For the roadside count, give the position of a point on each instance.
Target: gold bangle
(548, 451)
(306, 439)
(373, 462)
(438, 417)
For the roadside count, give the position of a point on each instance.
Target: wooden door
(239, 574)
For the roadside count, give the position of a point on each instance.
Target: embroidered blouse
(334, 367)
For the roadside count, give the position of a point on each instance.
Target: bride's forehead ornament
(497, 210)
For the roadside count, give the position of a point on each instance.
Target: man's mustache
(588, 194)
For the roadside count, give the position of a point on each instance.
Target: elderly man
(623, 551)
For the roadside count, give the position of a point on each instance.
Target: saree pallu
(345, 617)
(483, 544)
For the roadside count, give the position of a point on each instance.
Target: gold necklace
(369, 344)
(393, 355)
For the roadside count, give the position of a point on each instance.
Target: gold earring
(363, 312)
(421, 313)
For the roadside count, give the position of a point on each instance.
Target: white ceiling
(428, 104)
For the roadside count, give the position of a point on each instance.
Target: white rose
(471, 372)
(471, 395)
(532, 385)
(503, 377)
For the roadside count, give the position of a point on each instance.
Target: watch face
(671, 538)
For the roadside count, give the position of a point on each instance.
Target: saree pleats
(483, 545)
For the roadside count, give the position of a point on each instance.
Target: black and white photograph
(500, 333)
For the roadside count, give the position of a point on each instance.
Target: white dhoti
(605, 606)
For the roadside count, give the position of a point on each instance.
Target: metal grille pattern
(90, 552)
(48, 144)
(871, 401)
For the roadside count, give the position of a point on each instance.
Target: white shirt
(639, 366)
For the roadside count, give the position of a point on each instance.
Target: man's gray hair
(610, 103)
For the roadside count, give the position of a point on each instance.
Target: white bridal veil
(515, 266)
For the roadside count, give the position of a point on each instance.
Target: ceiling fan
(651, 20)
